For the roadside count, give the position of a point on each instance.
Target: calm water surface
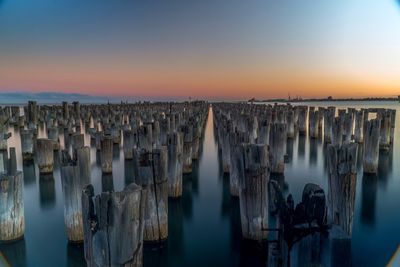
(204, 225)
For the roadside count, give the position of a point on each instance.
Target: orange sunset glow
(221, 52)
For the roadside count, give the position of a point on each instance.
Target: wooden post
(196, 140)
(384, 141)
(151, 173)
(72, 186)
(347, 127)
(165, 129)
(187, 132)
(26, 145)
(302, 123)
(329, 117)
(359, 127)
(145, 137)
(129, 143)
(371, 146)
(12, 220)
(44, 155)
(77, 110)
(277, 145)
(32, 113)
(3, 140)
(236, 139)
(342, 164)
(52, 134)
(67, 138)
(337, 132)
(77, 142)
(313, 117)
(106, 154)
(253, 192)
(290, 123)
(65, 110)
(264, 130)
(12, 161)
(175, 153)
(392, 125)
(113, 224)
(225, 146)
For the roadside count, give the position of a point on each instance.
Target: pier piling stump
(342, 164)
(12, 220)
(253, 192)
(106, 154)
(371, 146)
(44, 155)
(175, 151)
(151, 168)
(27, 145)
(277, 144)
(113, 225)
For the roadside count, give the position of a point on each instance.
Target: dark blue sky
(205, 47)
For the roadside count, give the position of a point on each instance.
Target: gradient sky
(231, 49)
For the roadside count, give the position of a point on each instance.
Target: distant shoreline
(392, 99)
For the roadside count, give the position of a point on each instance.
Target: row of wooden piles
(161, 139)
(252, 142)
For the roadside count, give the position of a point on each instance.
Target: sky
(210, 49)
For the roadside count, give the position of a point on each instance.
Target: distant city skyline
(227, 49)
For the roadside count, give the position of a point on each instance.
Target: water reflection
(176, 247)
(187, 196)
(253, 255)
(92, 142)
(301, 146)
(116, 151)
(107, 182)
(57, 160)
(368, 199)
(226, 195)
(385, 167)
(47, 191)
(98, 158)
(307, 252)
(289, 149)
(235, 226)
(155, 255)
(128, 172)
(313, 151)
(29, 173)
(360, 157)
(75, 255)
(14, 253)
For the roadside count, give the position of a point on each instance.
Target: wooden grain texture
(342, 180)
(253, 195)
(371, 146)
(113, 227)
(44, 155)
(175, 156)
(12, 220)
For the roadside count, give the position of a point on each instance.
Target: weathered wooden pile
(161, 140)
(12, 219)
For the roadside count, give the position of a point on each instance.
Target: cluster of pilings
(160, 142)
(252, 141)
(273, 125)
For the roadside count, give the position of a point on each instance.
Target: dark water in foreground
(204, 228)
